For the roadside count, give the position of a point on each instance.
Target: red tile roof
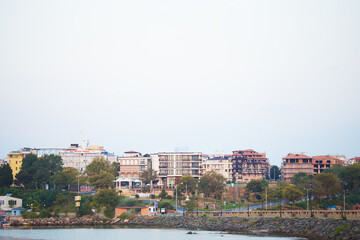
(295, 156)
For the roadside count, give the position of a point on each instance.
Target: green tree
(212, 184)
(256, 186)
(190, 205)
(100, 173)
(6, 177)
(328, 185)
(36, 172)
(106, 199)
(292, 194)
(187, 184)
(301, 179)
(275, 172)
(147, 176)
(68, 176)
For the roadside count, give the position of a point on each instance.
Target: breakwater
(311, 228)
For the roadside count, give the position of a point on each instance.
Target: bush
(28, 215)
(125, 216)
(137, 196)
(165, 205)
(109, 213)
(340, 228)
(45, 213)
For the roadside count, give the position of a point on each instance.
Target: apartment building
(80, 156)
(171, 166)
(324, 162)
(249, 165)
(354, 160)
(220, 164)
(132, 164)
(294, 163)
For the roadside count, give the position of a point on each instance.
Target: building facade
(219, 164)
(294, 163)
(249, 165)
(8, 202)
(324, 162)
(80, 156)
(132, 164)
(354, 160)
(171, 166)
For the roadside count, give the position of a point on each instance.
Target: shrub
(124, 216)
(211, 219)
(45, 213)
(109, 213)
(340, 228)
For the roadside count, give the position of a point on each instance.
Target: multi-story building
(324, 162)
(354, 160)
(80, 156)
(132, 164)
(2, 162)
(249, 165)
(14, 159)
(171, 166)
(220, 164)
(294, 163)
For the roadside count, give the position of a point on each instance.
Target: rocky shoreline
(311, 228)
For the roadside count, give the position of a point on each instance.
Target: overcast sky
(208, 76)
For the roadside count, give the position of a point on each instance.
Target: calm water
(124, 233)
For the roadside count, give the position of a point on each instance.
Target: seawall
(311, 228)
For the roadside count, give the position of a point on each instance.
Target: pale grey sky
(275, 76)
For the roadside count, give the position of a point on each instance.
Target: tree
(328, 185)
(6, 177)
(100, 173)
(292, 194)
(274, 173)
(68, 176)
(256, 186)
(212, 184)
(106, 198)
(148, 176)
(36, 171)
(187, 184)
(190, 205)
(301, 179)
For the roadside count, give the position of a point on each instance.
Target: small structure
(131, 210)
(356, 207)
(8, 203)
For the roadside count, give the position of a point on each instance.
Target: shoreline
(310, 228)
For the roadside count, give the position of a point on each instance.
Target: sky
(205, 75)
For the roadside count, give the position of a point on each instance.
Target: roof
(131, 152)
(324, 157)
(296, 156)
(122, 207)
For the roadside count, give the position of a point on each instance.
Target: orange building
(294, 163)
(132, 210)
(249, 165)
(324, 162)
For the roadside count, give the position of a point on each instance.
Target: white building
(171, 166)
(221, 165)
(8, 203)
(80, 156)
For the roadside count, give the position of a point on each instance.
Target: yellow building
(15, 161)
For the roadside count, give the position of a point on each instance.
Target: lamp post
(266, 202)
